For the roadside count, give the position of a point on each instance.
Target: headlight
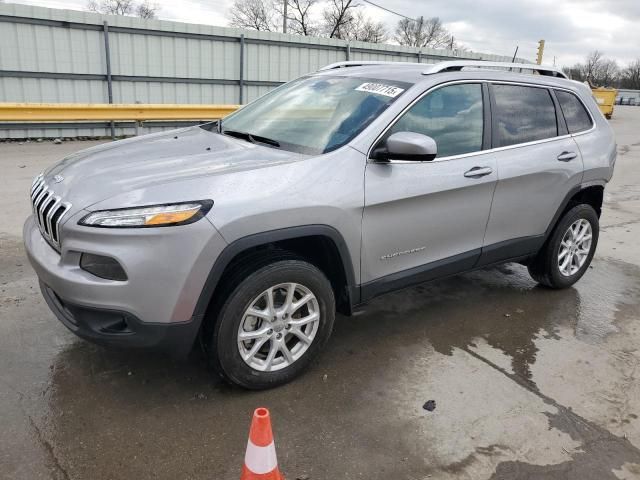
(149, 216)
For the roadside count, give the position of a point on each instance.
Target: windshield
(313, 114)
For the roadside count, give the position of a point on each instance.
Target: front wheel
(273, 324)
(566, 256)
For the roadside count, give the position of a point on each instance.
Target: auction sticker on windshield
(380, 89)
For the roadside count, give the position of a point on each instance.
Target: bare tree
(253, 14)
(630, 76)
(338, 18)
(147, 10)
(123, 7)
(592, 66)
(365, 29)
(597, 70)
(423, 32)
(576, 72)
(608, 73)
(299, 18)
(111, 7)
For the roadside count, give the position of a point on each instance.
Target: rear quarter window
(575, 113)
(523, 114)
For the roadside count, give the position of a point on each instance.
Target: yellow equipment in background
(606, 98)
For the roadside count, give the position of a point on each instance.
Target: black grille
(48, 210)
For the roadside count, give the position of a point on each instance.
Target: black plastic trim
(423, 273)
(510, 249)
(103, 266)
(494, 110)
(561, 122)
(244, 243)
(92, 324)
(486, 114)
(561, 209)
(382, 155)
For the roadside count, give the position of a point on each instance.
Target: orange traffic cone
(260, 462)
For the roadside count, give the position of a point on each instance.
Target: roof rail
(364, 63)
(457, 65)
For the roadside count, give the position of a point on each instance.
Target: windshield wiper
(250, 137)
(268, 141)
(233, 133)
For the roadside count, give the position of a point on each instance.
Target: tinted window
(523, 114)
(451, 115)
(574, 112)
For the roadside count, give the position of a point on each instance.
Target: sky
(571, 28)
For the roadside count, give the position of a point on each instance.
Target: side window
(451, 115)
(523, 114)
(574, 112)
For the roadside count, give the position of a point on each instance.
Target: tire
(224, 349)
(546, 268)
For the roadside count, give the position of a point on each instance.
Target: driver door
(427, 219)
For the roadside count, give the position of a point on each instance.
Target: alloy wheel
(574, 247)
(278, 327)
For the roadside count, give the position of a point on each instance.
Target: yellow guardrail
(45, 112)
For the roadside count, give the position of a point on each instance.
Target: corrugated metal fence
(49, 55)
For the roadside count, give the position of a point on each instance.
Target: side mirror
(409, 146)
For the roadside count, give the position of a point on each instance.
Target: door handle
(477, 172)
(567, 156)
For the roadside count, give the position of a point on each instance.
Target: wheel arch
(321, 245)
(590, 194)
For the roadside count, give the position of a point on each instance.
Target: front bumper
(154, 307)
(121, 329)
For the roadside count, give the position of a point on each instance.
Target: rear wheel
(273, 324)
(566, 256)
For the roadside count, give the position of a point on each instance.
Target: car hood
(100, 172)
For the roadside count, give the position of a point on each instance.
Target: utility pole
(284, 18)
(540, 52)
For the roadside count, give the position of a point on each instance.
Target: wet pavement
(528, 383)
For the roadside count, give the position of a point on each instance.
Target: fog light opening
(119, 326)
(102, 267)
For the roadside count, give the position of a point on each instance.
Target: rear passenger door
(538, 165)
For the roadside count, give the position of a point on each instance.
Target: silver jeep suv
(249, 233)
